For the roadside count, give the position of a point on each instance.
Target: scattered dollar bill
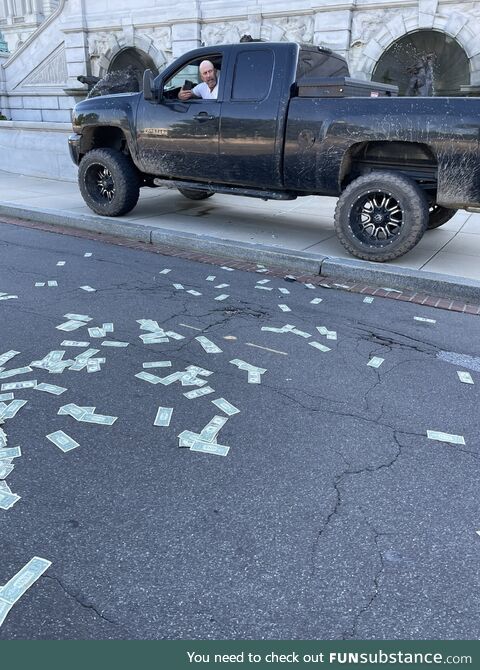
(164, 271)
(253, 377)
(300, 333)
(192, 292)
(263, 281)
(157, 364)
(73, 410)
(285, 308)
(94, 365)
(174, 336)
(316, 301)
(15, 371)
(96, 332)
(424, 320)
(199, 371)
(368, 299)
(74, 343)
(87, 288)
(223, 296)
(465, 377)
(101, 419)
(265, 288)
(5, 487)
(11, 452)
(211, 278)
(208, 346)
(62, 441)
(309, 286)
(7, 500)
(149, 324)
(11, 386)
(50, 388)
(5, 470)
(114, 343)
(147, 377)
(285, 291)
(52, 282)
(87, 255)
(179, 287)
(16, 587)
(390, 290)
(375, 362)
(213, 427)
(225, 406)
(39, 284)
(4, 358)
(198, 392)
(73, 324)
(151, 338)
(78, 317)
(222, 285)
(187, 438)
(225, 267)
(61, 263)
(319, 346)
(209, 448)
(163, 417)
(107, 327)
(445, 437)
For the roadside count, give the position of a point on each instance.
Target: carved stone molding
(51, 72)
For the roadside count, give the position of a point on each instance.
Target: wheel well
(412, 159)
(103, 137)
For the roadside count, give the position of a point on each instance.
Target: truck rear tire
(381, 216)
(194, 194)
(109, 182)
(439, 215)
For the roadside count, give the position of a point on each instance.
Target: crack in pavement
(78, 600)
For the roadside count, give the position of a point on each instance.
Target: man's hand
(185, 95)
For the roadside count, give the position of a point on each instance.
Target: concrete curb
(308, 263)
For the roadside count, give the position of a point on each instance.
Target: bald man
(208, 89)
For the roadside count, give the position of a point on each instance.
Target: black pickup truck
(287, 122)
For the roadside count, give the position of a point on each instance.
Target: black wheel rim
(376, 218)
(100, 183)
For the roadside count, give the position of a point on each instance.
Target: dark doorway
(450, 63)
(135, 58)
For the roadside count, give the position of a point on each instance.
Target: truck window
(189, 72)
(252, 76)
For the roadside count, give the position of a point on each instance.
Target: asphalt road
(332, 516)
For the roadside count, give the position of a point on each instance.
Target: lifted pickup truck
(287, 122)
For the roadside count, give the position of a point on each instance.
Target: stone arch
(143, 47)
(454, 25)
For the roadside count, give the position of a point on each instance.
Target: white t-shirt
(202, 91)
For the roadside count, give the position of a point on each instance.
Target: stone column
(333, 28)
(186, 28)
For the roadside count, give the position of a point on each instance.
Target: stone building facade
(380, 39)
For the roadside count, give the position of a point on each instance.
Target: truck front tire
(381, 216)
(109, 182)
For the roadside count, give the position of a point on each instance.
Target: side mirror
(148, 89)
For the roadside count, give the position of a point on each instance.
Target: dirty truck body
(288, 122)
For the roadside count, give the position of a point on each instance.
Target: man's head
(208, 74)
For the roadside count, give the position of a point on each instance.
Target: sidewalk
(300, 227)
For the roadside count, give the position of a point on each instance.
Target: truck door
(180, 139)
(253, 116)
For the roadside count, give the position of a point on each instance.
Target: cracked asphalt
(332, 516)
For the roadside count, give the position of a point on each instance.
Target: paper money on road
(193, 292)
(16, 587)
(208, 346)
(223, 296)
(424, 320)
(285, 291)
(157, 364)
(445, 437)
(174, 336)
(62, 441)
(375, 362)
(69, 326)
(5, 470)
(368, 299)
(115, 343)
(96, 332)
(39, 284)
(222, 285)
(199, 371)
(165, 271)
(300, 333)
(263, 281)
(209, 448)
(316, 301)
(4, 358)
(253, 377)
(225, 267)
(89, 289)
(213, 427)
(3, 438)
(101, 419)
(7, 500)
(211, 278)
(198, 392)
(50, 388)
(87, 255)
(12, 386)
(465, 377)
(265, 288)
(74, 343)
(187, 438)
(179, 287)
(78, 317)
(147, 377)
(149, 324)
(52, 282)
(10, 452)
(152, 338)
(163, 417)
(15, 371)
(309, 286)
(94, 365)
(108, 327)
(6, 396)
(330, 334)
(61, 263)
(73, 410)
(225, 406)
(4, 486)
(285, 308)
(319, 346)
